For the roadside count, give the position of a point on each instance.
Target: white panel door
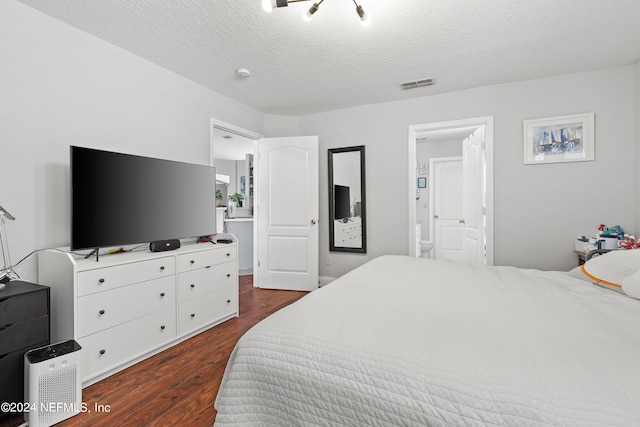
(448, 211)
(473, 189)
(287, 213)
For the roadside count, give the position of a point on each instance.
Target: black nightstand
(24, 324)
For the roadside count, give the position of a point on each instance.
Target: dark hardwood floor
(177, 386)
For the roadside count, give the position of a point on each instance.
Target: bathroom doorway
(468, 236)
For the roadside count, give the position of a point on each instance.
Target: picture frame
(559, 139)
(422, 182)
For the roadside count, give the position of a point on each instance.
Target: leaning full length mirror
(347, 225)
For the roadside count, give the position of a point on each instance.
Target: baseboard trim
(325, 280)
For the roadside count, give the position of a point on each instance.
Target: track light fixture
(269, 5)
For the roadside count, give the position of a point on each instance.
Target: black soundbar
(164, 245)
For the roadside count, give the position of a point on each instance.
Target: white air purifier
(52, 384)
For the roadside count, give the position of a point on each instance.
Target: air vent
(417, 83)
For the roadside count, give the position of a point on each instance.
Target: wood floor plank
(177, 386)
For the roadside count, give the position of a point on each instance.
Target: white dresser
(348, 234)
(129, 306)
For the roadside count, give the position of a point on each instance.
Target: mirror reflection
(347, 231)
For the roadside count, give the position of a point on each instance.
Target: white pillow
(578, 274)
(610, 270)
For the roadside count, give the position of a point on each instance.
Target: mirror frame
(332, 243)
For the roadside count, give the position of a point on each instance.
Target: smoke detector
(243, 73)
(417, 83)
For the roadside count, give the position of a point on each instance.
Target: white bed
(406, 341)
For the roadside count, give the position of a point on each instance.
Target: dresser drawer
(102, 279)
(21, 335)
(209, 308)
(195, 260)
(24, 306)
(193, 284)
(104, 310)
(113, 347)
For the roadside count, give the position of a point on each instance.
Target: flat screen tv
(121, 199)
(342, 202)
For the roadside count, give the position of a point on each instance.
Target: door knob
(313, 221)
(461, 221)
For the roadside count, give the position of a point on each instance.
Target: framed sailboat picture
(559, 139)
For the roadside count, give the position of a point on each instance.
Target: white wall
(280, 126)
(539, 209)
(60, 86)
(636, 176)
(227, 167)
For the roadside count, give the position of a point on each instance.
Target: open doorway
(232, 152)
(277, 241)
(467, 224)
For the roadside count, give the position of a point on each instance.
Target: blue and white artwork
(557, 139)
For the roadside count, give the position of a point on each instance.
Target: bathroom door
(458, 203)
(447, 195)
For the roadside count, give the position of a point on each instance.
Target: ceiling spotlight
(364, 18)
(269, 5)
(313, 9)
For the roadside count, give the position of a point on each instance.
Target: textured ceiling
(332, 62)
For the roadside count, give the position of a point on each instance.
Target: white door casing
(445, 194)
(287, 213)
(422, 130)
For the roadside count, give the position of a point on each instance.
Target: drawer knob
(193, 285)
(208, 266)
(228, 274)
(162, 327)
(162, 267)
(192, 261)
(101, 312)
(193, 315)
(228, 254)
(101, 280)
(228, 301)
(102, 351)
(162, 294)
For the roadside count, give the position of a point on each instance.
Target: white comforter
(406, 341)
